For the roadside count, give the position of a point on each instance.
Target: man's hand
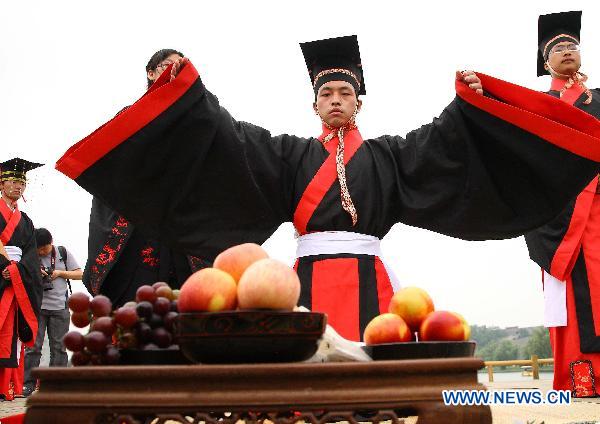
(178, 66)
(471, 79)
(6, 274)
(55, 274)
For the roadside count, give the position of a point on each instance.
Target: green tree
(506, 351)
(484, 335)
(499, 350)
(538, 344)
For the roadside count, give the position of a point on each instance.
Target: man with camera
(58, 267)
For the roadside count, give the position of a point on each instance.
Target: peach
(268, 284)
(412, 304)
(442, 326)
(465, 324)
(237, 259)
(387, 328)
(209, 289)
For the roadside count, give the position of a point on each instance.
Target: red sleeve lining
(555, 121)
(110, 135)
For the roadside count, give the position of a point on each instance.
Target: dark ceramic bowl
(249, 336)
(420, 350)
(152, 357)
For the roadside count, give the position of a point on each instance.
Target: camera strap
(63, 258)
(53, 259)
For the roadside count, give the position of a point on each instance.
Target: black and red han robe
(568, 248)
(182, 169)
(121, 258)
(20, 298)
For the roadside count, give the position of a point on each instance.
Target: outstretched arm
(495, 166)
(180, 168)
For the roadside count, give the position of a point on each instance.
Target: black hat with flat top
(15, 169)
(555, 28)
(334, 59)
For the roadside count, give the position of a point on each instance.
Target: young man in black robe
(568, 248)
(20, 278)
(120, 257)
(475, 173)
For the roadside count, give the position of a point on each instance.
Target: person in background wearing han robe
(568, 248)
(474, 173)
(20, 278)
(120, 257)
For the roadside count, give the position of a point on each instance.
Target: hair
(158, 57)
(42, 237)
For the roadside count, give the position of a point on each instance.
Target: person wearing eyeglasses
(121, 258)
(160, 61)
(568, 248)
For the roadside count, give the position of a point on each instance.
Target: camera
(46, 279)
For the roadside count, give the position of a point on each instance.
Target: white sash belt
(14, 253)
(335, 242)
(555, 302)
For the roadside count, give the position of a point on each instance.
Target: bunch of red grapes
(147, 324)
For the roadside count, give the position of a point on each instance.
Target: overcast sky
(67, 67)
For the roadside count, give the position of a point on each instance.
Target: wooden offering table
(282, 393)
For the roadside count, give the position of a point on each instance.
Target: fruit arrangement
(242, 277)
(146, 323)
(412, 316)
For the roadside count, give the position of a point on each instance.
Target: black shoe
(28, 390)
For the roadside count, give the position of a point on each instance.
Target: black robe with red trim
(181, 168)
(121, 258)
(20, 298)
(568, 248)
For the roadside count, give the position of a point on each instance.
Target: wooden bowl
(420, 350)
(250, 336)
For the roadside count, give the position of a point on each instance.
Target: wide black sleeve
(494, 168)
(182, 170)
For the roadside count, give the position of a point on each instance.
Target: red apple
(465, 324)
(268, 284)
(442, 326)
(412, 304)
(237, 259)
(387, 328)
(209, 289)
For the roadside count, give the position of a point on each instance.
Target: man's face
(564, 59)
(12, 190)
(155, 73)
(336, 101)
(44, 250)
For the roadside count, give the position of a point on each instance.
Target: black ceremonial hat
(15, 169)
(334, 59)
(555, 28)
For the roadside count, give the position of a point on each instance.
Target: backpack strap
(62, 251)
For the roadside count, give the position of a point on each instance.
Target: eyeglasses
(164, 65)
(565, 47)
